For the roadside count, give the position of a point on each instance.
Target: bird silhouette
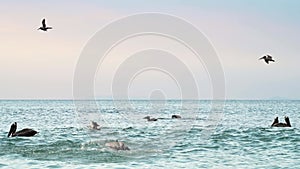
(286, 124)
(44, 27)
(94, 126)
(267, 59)
(22, 133)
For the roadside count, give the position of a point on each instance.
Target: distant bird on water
(94, 125)
(277, 124)
(267, 59)
(44, 27)
(150, 119)
(117, 145)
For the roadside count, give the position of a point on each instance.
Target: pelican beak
(13, 129)
(10, 131)
(9, 134)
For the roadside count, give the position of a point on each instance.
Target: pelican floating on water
(24, 132)
(117, 145)
(175, 116)
(277, 124)
(150, 119)
(94, 125)
(267, 59)
(44, 27)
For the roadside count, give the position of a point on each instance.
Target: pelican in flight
(24, 132)
(267, 59)
(44, 27)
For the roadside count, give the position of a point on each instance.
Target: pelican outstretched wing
(264, 57)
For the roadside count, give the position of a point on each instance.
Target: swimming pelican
(117, 145)
(277, 124)
(267, 59)
(150, 119)
(24, 132)
(174, 116)
(44, 27)
(94, 125)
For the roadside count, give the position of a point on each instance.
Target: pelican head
(13, 129)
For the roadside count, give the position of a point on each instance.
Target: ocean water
(238, 137)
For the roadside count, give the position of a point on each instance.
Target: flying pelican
(267, 59)
(44, 27)
(24, 132)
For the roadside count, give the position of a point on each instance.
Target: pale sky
(40, 65)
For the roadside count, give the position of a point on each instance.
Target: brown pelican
(150, 119)
(117, 145)
(267, 59)
(94, 125)
(24, 132)
(277, 124)
(174, 116)
(44, 27)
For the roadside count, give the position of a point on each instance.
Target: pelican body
(22, 133)
(175, 116)
(150, 119)
(277, 124)
(117, 145)
(44, 26)
(94, 125)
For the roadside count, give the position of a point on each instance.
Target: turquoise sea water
(243, 137)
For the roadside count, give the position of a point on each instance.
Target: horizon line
(138, 99)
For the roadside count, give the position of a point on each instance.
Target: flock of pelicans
(117, 145)
(277, 124)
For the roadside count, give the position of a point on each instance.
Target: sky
(41, 65)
